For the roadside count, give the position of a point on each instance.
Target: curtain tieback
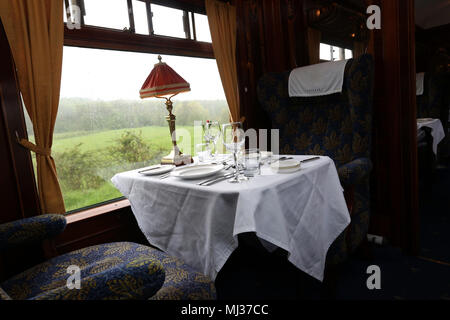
(38, 150)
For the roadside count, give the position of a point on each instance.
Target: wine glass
(213, 128)
(234, 139)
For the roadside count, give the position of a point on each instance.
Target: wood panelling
(115, 224)
(103, 38)
(271, 37)
(395, 185)
(18, 193)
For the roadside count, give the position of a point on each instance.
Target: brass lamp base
(177, 158)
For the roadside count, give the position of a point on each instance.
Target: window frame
(189, 10)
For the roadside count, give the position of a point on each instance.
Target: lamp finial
(159, 58)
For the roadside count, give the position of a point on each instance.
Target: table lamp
(163, 82)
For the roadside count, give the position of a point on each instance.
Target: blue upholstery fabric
(182, 282)
(354, 172)
(30, 230)
(338, 126)
(121, 270)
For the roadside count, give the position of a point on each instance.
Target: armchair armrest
(354, 171)
(30, 230)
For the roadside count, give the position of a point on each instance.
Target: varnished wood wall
(394, 180)
(271, 37)
(18, 194)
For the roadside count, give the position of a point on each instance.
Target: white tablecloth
(301, 212)
(437, 131)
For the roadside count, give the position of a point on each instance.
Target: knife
(225, 177)
(310, 159)
(150, 169)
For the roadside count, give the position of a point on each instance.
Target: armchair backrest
(336, 125)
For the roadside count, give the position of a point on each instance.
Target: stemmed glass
(212, 134)
(234, 139)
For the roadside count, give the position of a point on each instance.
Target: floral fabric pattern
(30, 230)
(121, 270)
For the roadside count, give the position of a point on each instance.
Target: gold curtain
(359, 48)
(35, 31)
(222, 24)
(314, 37)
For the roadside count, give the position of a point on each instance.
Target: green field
(94, 141)
(74, 149)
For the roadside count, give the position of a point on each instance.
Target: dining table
(437, 130)
(301, 211)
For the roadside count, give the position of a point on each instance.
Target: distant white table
(302, 212)
(437, 130)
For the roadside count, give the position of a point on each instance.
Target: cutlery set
(220, 178)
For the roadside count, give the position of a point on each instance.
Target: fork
(164, 176)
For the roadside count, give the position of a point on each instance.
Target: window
(332, 53)
(168, 21)
(106, 13)
(142, 17)
(202, 28)
(103, 127)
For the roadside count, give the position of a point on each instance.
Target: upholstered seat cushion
(121, 270)
(182, 282)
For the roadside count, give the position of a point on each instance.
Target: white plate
(197, 171)
(286, 166)
(156, 169)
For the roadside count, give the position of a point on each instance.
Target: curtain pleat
(222, 24)
(35, 31)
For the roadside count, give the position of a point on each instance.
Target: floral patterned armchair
(121, 270)
(338, 126)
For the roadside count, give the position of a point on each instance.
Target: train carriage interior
(225, 150)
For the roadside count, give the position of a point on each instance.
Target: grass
(76, 199)
(157, 137)
(93, 141)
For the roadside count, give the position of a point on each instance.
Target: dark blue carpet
(406, 277)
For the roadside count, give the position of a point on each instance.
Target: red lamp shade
(162, 81)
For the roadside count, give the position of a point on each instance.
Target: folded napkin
(317, 80)
(419, 83)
